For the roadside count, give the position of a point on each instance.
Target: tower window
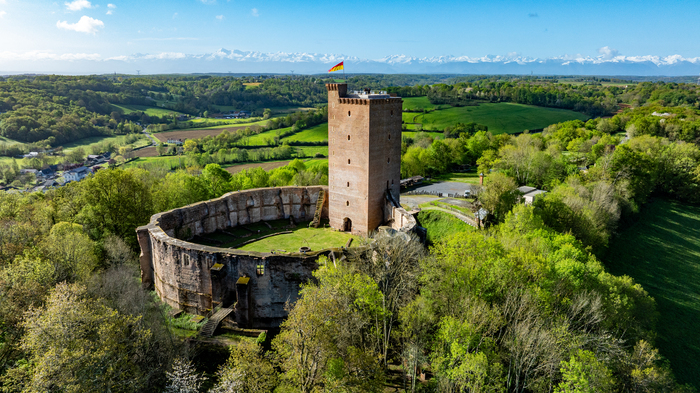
(348, 137)
(260, 270)
(388, 160)
(392, 113)
(387, 184)
(348, 161)
(347, 203)
(348, 184)
(389, 136)
(392, 182)
(348, 113)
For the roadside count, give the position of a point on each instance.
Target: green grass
(149, 110)
(413, 134)
(500, 117)
(86, 143)
(316, 133)
(314, 238)
(302, 236)
(463, 177)
(9, 141)
(310, 151)
(441, 225)
(662, 253)
(420, 103)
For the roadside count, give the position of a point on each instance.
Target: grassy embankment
(149, 110)
(441, 225)
(662, 253)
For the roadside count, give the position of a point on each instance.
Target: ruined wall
(197, 278)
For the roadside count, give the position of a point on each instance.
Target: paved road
(450, 187)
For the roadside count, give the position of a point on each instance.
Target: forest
(524, 305)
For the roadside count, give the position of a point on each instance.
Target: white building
(530, 194)
(76, 174)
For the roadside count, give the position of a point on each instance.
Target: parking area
(444, 188)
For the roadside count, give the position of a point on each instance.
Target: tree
(583, 373)
(499, 195)
(328, 338)
(392, 261)
(183, 378)
(77, 344)
(246, 370)
(116, 201)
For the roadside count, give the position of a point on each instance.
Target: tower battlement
(364, 154)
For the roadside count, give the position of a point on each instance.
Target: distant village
(54, 176)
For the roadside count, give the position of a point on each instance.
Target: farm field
(413, 134)
(662, 253)
(193, 133)
(500, 118)
(420, 103)
(149, 110)
(146, 152)
(269, 165)
(316, 133)
(87, 143)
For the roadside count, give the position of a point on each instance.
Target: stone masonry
(364, 156)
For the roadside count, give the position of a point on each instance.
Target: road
(153, 140)
(448, 187)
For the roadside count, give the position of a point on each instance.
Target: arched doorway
(347, 225)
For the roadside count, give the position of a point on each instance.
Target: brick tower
(364, 156)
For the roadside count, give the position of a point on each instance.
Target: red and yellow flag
(337, 67)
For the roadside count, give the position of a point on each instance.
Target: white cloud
(86, 24)
(2, 13)
(208, 1)
(3, 2)
(608, 52)
(78, 5)
(254, 12)
(220, 17)
(112, 6)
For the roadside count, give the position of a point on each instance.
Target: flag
(337, 67)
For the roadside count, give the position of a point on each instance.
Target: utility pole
(138, 72)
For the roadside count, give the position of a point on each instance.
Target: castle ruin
(363, 193)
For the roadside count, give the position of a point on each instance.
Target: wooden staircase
(319, 208)
(210, 327)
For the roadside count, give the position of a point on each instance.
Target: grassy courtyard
(300, 236)
(662, 253)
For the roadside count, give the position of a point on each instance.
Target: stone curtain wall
(197, 278)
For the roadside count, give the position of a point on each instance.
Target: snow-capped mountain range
(237, 61)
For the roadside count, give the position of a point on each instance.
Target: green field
(500, 117)
(662, 253)
(316, 133)
(420, 103)
(149, 110)
(87, 143)
(413, 134)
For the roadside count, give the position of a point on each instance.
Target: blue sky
(36, 31)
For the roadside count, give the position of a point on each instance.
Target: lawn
(662, 253)
(316, 133)
(301, 236)
(500, 117)
(441, 225)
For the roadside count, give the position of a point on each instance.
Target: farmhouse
(76, 174)
(251, 289)
(174, 141)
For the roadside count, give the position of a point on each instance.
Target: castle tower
(364, 156)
